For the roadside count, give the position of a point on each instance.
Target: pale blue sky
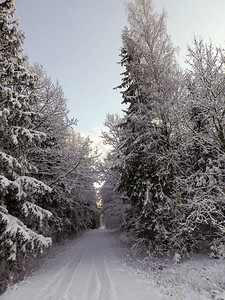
(78, 42)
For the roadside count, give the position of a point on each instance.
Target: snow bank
(198, 278)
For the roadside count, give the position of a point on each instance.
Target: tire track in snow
(98, 283)
(50, 286)
(75, 275)
(89, 269)
(94, 294)
(92, 285)
(65, 282)
(51, 290)
(110, 292)
(104, 287)
(90, 288)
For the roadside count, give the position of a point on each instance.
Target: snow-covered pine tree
(147, 162)
(22, 221)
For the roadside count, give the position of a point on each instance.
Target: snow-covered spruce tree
(203, 183)
(18, 189)
(147, 149)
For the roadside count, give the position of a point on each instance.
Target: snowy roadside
(97, 266)
(197, 278)
(88, 268)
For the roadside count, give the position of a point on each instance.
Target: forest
(163, 179)
(47, 170)
(165, 174)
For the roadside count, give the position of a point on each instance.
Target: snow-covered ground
(90, 267)
(98, 266)
(197, 278)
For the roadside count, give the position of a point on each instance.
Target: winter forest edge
(164, 177)
(47, 169)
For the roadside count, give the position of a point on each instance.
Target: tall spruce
(149, 88)
(23, 223)
(47, 171)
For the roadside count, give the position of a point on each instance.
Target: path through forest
(92, 268)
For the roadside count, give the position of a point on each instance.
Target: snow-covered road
(89, 268)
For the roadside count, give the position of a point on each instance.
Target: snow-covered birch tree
(65, 160)
(112, 201)
(204, 143)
